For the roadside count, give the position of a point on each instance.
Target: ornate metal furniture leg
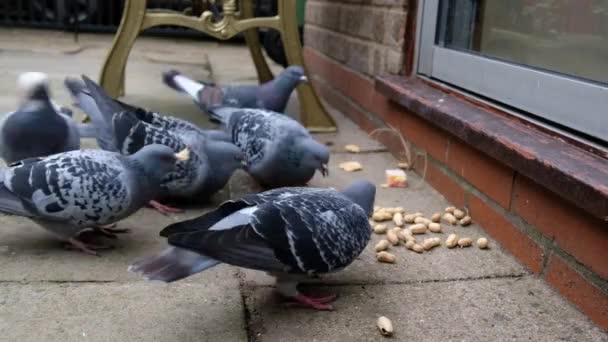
(112, 77)
(253, 42)
(312, 113)
(136, 19)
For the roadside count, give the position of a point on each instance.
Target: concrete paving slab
(436, 265)
(209, 311)
(348, 133)
(523, 309)
(29, 253)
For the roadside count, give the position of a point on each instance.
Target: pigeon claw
(164, 209)
(85, 248)
(317, 303)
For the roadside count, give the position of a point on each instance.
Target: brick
(574, 231)
(394, 62)
(394, 31)
(358, 88)
(423, 134)
(483, 172)
(443, 183)
(503, 231)
(587, 297)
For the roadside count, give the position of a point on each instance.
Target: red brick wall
(550, 236)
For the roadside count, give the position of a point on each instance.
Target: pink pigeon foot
(164, 209)
(317, 303)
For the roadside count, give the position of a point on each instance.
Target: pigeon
(126, 129)
(39, 127)
(279, 150)
(86, 190)
(291, 233)
(272, 95)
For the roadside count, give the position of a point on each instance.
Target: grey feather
(272, 95)
(127, 129)
(279, 150)
(283, 231)
(36, 128)
(71, 191)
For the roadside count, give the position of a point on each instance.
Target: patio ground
(47, 293)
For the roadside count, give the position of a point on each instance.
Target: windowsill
(578, 176)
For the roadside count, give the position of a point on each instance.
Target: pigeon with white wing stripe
(272, 95)
(279, 150)
(291, 233)
(72, 192)
(39, 127)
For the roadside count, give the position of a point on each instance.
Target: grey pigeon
(290, 233)
(126, 129)
(272, 95)
(39, 127)
(279, 150)
(72, 192)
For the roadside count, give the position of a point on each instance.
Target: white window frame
(573, 103)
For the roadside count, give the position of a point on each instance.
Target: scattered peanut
(482, 243)
(449, 218)
(435, 227)
(418, 214)
(422, 220)
(451, 241)
(410, 244)
(385, 326)
(376, 208)
(404, 166)
(417, 248)
(430, 243)
(417, 228)
(465, 242)
(465, 221)
(436, 217)
(352, 148)
(409, 218)
(458, 214)
(386, 257)
(450, 209)
(405, 235)
(392, 237)
(384, 185)
(351, 166)
(382, 245)
(381, 215)
(380, 229)
(398, 219)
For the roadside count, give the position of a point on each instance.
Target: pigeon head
(291, 77)
(316, 155)
(158, 160)
(33, 86)
(224, 158)
(363, 193)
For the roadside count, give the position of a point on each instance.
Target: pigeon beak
(183, 155)
(303, 79)
(324, 170)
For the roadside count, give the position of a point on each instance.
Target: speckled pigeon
(127, 129)
(290, 233)
(39, 127)
(272, 95)
(72, 192)
(279, 150)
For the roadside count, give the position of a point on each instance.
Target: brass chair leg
(112, 77)
(312, 113)
(253, 43)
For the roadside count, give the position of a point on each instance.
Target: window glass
(563, 36)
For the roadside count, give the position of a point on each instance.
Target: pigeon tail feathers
(176, 80)
(172, 264)
(11, 204)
